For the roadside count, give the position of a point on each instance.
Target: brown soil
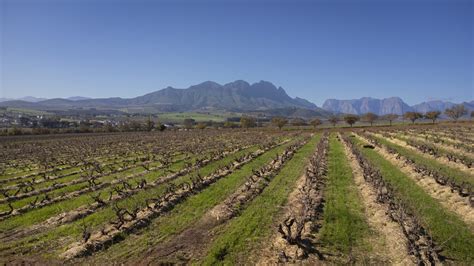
(82, 211)
(444, 146)
(187, 246)
(439, 159)
(268, 255)
(449, 200)
(391, 243)
(192, 243)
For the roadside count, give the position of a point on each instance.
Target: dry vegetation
(363, 196)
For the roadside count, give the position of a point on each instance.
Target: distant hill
(386, 106)
(77, 98)
(25, 99)
(364, 105)
(293, 112)
(469, 106)
(235, 96)
(5, 99)
(441, 106)
(31, 99)
(432, 106)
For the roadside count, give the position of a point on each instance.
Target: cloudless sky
(419, 50)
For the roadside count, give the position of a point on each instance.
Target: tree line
(55, 125)
(454, 113)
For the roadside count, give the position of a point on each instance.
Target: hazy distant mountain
(364, 105)
(237, 96)
(469, 106)
(77, 98)
(31, 99)
(432, 106)
(386, 106)
(5, 99)
(293, 112)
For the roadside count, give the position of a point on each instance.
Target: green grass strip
(82, 185)
(435, 138)
(255, 223)
(73, 231)
(344, 226)
(445, 228)
(441, 151)
(187, 213)
(107, 160)
(458, 175)
(41, 214)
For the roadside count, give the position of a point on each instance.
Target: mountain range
(385, 106)
(26, 99)
(32, 99)
(237, 96)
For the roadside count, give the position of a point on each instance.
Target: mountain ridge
(236, 96)
(385, 106)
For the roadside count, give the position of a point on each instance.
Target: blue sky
(418, 50)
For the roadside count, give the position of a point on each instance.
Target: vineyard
(391, 195)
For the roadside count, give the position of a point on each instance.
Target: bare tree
(315, 122)
(369, 117)
(333, 120)
(433, 115)
(412, 116)
(279, 121)
(351, 119)
(247, 121)
(390, 117)
(456, 111)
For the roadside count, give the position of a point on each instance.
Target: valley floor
(401, 196)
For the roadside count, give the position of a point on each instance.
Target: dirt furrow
(130, 221)
(442, 146)
(439, 159)
(96, 185)
(293, 240)
(448, 199)
(126, 191)
(395, 243)
(191, 243)
(46, 178)
(420, 244)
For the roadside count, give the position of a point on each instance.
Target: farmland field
(388, 195)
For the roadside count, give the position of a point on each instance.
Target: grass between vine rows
(254, 224)
(344, 228)
(446, 229)
(458, 175)
(66, 168)
(73, 231)
(107, 178)
(187, 213)
(39, 215)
